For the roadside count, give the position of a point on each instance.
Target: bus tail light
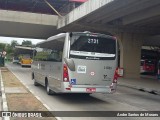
(65, 73)
(118, 73)
(114, 82)
(68, 88)
(115, 76)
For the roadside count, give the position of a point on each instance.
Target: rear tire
(49, 91)
(35, 83)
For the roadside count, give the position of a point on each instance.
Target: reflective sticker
(73, 82)
(92, 73)
(81, 69)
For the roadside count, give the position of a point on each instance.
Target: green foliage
(14, 43)
(41, 56)
(2, 46)
(9, 49)
(26, 43)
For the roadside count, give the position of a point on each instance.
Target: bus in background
(15, 60)
(147, 66)
(25, 60)
(76, 62)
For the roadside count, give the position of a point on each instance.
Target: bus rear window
(93, 47)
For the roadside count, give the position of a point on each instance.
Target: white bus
(77, 62)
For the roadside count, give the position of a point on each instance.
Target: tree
(26, 43)
(14, 43)
(9, 49)
(2, 46)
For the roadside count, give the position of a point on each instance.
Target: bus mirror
(71, 34)
(70, 64)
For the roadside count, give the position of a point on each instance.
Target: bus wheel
(49, 91)
(35, 83)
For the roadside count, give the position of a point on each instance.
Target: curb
(152, 91)
(4, 101)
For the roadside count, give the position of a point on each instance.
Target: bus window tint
(91, 47)
(55, 56)
(44, 54)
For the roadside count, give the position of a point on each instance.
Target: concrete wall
(25, 17)
(83, 10)
(27, 25)
(130, 54)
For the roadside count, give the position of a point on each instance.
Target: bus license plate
(90, 89)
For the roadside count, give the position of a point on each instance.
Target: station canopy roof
(23, 50)
(39, 6)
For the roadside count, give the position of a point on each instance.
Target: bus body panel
(92, 72)
(48, 70)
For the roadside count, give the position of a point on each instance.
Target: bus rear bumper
(68, 88)
(26, 64)
(91, 89)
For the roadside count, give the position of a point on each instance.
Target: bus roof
(23, 50)
(49, 42)
(24, 47)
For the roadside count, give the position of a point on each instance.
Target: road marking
(38, 98)
(58, 118)
(4, 97)
(4, 101)
(31, 91)
(5, 107)
(47, 107)
(2, 88)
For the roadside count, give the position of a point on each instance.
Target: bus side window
(55, 56)
(60, 55)
(52, 57)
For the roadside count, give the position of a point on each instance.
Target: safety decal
(73, 82)
(92, 73)
(81, 69)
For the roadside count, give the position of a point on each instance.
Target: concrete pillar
(130, 54)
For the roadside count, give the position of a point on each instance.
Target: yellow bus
(25, 60)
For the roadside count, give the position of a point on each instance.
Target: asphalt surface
(125, 99)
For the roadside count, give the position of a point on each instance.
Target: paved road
(125, 99)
